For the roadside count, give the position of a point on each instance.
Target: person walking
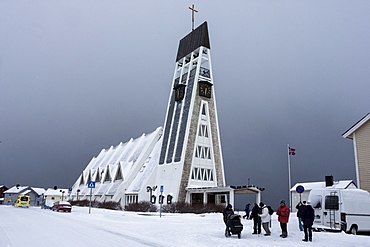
(265, 219)
(228, 211)
(300, 207)
(308, 216)
(256, 219)
(247, 211)
(283, 212)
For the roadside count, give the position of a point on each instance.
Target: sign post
(69, 193)
(161, 201)
(91, 185)
(300, 190)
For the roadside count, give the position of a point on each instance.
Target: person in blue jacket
(247, 211)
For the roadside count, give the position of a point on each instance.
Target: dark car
(62, 206)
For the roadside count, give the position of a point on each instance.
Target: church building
(180, 162)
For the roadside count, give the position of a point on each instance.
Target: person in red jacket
(283, 212)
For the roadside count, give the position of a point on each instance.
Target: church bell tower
(191, 155)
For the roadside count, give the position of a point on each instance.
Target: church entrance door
(197, 198)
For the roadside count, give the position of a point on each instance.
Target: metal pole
(290, 182)
(90, 200)
(160, 206)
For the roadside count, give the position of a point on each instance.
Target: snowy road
(37, 227)
(34, 227)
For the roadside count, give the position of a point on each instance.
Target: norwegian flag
(291, 151)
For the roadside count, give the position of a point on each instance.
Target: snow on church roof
(115, 166)
(146, 170)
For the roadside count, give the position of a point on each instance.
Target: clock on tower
(179, 91)
(205, 89)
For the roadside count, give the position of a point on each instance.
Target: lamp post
(62, 194)
(150, 190)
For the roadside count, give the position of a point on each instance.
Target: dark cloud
(76, 78)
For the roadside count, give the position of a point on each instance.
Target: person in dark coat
(247, 211)
(228, 211)
(308, 216)
(256, 219)
(300, 207)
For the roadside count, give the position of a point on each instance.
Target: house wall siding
(363, 155)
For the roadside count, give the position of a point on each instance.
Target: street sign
(162, 188)
(91, 184)
(70, 189)
(299, 189)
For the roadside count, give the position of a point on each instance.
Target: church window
(97, 176)
(202, 174)
(119, 174)
(82, 182)
(195, 173)
(89, 177)
(203, 152)
(210, 175)
(131, 199)
(205, 72)
(107, 176)
(203, 130)
(198, 151)
(204, 110)
(206, 153)
(199, 175)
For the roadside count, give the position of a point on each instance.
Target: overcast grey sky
(80, 76)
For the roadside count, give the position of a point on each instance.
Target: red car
(62, 206)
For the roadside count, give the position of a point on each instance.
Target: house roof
(16, 189)
(24, 190)
(349, 132)
(343, 184)
(39, 191)
(53, 192)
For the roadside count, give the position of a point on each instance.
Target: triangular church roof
(118, 164)
(197, 38)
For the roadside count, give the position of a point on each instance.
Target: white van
(341, 209)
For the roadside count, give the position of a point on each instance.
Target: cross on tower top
(192, 15)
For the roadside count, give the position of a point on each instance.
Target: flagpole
(290, 182)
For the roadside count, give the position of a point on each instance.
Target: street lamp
(150, 190)
(62, 194)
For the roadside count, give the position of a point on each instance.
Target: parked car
(62, 206)
(23, 201)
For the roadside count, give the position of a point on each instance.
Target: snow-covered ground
(36, 227)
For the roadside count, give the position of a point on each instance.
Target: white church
(180, 162)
